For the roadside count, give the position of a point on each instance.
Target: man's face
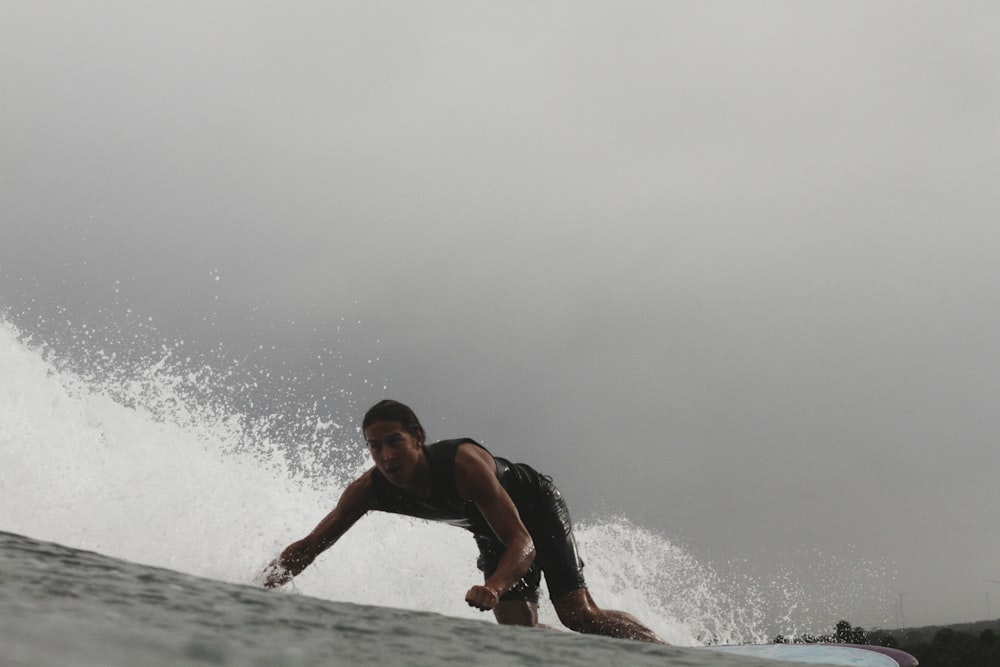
(394, 451)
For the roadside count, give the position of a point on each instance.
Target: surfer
(517, 515)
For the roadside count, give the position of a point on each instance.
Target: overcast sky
(728, 269)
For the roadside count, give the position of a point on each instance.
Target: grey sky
(726, 268)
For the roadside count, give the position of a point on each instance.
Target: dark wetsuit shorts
(555, 551)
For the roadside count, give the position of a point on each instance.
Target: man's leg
(577, 611)
(516, 612)
(519, 605)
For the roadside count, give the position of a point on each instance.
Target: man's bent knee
(578, 612)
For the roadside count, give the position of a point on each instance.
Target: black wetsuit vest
(524, 484)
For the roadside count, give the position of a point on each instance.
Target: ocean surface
(142, 496)
(65, 606)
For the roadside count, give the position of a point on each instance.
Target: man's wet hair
(393, 411)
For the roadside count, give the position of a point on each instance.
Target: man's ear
(420, 436)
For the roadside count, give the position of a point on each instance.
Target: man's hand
(276, 575)
(482, 598)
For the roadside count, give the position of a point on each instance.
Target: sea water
(65, 606)
(109, 471)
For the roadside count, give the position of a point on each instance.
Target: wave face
(65, 606)
(164, 460)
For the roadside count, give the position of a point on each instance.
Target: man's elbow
(529, 551)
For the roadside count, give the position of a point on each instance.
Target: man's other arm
(475, 479)
(357, 499)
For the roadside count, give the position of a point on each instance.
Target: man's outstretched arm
(357, 499)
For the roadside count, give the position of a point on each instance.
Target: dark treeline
(972, 645)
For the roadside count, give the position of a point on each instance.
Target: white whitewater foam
(149, 463)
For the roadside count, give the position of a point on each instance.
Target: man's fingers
(275, 575)
(482, 598)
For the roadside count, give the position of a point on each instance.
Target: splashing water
(164, 460)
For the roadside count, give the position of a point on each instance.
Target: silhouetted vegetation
(968, 645)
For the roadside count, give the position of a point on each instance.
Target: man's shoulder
(452, 443)
(446, 452)
(361, 492)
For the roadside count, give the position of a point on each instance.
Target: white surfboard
(824, 654)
